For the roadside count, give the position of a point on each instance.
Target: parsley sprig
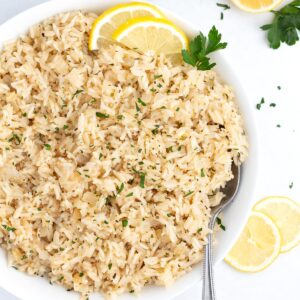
(200, 47)
(285, 25)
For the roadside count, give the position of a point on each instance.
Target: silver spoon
(230, 190)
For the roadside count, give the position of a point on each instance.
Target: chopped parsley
(157, 76)
(202, 174)
(278, 125)
(279, 87)
(155, 131)
(81, 274)
(60, 278)
(77, 93)
(141, 102)
(137, 108)
(124, 223)
(272, 104)
(159, 85)
(219, 222)
(47, 147)
(188, 193)
(120, 117)
(152, 90)
(105, 222)
(129, 195)
(199, 230)
(221, 16)
(291, 185)
(65, 127)
(24, 114)
(109, 266)
(178, 108)
(258, 105)
(100, 155)
(224, 6)
(102, 115)
(15, 138)
(120, 188)
(8, 228)
(142, 180)
(131, 291)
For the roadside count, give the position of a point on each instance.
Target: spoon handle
(208, 289)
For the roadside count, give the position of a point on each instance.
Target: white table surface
(261, 70)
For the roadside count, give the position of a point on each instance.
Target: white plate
(35, 288)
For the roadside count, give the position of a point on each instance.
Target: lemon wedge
(111, 19)
(148, 33)
(256, 6)
(285, 213)
(257, 246)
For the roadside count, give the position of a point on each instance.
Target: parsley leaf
(285, 25)
(224, 6)
(141, 102)
(77, 93)
(102, 115)
(200, 47)
(8, 228)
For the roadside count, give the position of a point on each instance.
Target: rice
(109, 161)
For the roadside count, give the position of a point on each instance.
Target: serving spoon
(230, 191)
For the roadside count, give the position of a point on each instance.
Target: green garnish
(285, 25)
(169, 149)
(129, 195)
(120, 188)
(141, 102)
(102, 115)
(100, 155)
(109, 266)
(155, 131)
(157, 76)
(202, 174)
(105, 222)
(77, 93)
(15, 138)
(8, 228)
(221, 16)
(131, 291)
(124, 223)
(142, 180)
(47, 147)
(120, 117)
(178, 108)
(24, 114)
(258, 105)
(278, 125)
(153, 90)
(137, 108)
(219, 222)
(159, 85)
(200, 47)
(199, 230)
(189, 193)
(291, 185)
(224, 6)
(60, 278)
(65, 127)
(272, 104)
(81, 274)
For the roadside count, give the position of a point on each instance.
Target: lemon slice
(257, 6)
(111, 19)
(258, 245)
(285, 213)
(148, 33)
